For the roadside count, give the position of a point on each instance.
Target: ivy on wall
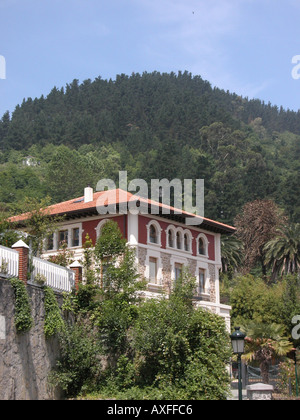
(53, 320)
(23, 318)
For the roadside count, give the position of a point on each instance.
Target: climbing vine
(23, 318)
(53, 320)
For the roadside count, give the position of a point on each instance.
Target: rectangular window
(49, 242)
(178, 271)
(201, 281)
(153, 270)
(104, 276)
(62, 238)
(75, 237)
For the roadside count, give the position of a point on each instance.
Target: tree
(180, 351)
(60, 173)
(256, 225)
(39, 224)
(263, 342)
(232, 254)
(246, 299)
(88, 261)
(282, 253)
(119, 290)
(8, 235)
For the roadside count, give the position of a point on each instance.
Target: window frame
(158, 229)
(99, 227)
(178, 267)
(73, 239)
(204, 239)
(171, 231)
(155, 254)
(66, 237)
(153, 280)
(205, 293)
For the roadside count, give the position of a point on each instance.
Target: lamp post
(296, 373)
(238, 347)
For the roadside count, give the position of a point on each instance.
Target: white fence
(9, 262)
(55, 276)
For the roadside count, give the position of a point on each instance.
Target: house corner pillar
(77, 268)
(23, 251)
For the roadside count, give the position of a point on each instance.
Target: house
(30, 161)
(163, 241)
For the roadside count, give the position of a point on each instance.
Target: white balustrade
(56, 277)
(9, 262)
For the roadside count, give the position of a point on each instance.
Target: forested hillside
(154, 126)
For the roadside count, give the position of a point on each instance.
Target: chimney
(88, 194)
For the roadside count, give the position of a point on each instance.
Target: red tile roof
(77, 207)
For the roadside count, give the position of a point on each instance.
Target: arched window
(153, 235)
(171, 238)
(202, 245)
(186, 242)
(99, 227)
(178, 240)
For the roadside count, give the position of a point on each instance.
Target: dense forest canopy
(154, 126)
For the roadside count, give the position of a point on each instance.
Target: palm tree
(263, 342)
(231, 252)
(282, 254)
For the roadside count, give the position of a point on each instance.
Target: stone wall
(27, 358)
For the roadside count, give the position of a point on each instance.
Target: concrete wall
(27, 358)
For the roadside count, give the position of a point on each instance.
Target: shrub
(23, 318)
(79, 365)
(183, 353)
(53, 320)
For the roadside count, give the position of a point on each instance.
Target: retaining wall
(27, 358)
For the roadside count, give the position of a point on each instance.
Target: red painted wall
(90, 227)
(144, 220)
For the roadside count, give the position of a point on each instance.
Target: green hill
(154, 126)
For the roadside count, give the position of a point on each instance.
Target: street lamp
(296, 372)
(238, 347)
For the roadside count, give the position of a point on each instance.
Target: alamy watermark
(296, 68)
(296, 329)
(2, 67)
(188, 195)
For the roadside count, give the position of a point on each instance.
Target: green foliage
(244, 149)
(232, 254)
(111, 243)
(263, 343)
(282, 253)
(39, 224)
(53, 322)
(63, 257)
(181, 349)
(120, 285)
(155, 349)
(79, 365)
(287, 376)
(254, 300)
(88, 257)
(256, 225)
(23, 317)
(8, 236)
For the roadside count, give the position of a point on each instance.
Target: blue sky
(244, 46)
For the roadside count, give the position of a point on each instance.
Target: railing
(9, 262)
(55, 276)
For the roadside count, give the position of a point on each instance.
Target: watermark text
(2, 67)
(296, 329)
(188, 195)
(296, 68)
